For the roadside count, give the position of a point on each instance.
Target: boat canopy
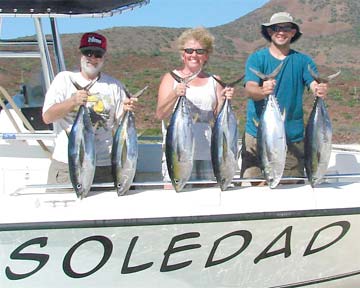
(66, 8)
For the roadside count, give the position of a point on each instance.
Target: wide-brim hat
(278, 18)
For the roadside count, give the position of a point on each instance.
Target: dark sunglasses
(90, 53)
(278, 28)
(199, 51)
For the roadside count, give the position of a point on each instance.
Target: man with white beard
(105, 99)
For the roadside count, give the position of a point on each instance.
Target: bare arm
(167, 96)
(256, 92)
(60, 110)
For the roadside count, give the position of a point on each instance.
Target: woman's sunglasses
(90, 53)
(278, 28)
(199, 51)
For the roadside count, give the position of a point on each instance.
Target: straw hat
(277, 18)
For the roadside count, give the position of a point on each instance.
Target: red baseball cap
(94, 41)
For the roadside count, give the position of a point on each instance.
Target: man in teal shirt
(288, 86)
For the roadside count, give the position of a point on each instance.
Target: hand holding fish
(180, 90)
(130, 104)
(80, 97)
(320, 89)
(320, 85)
(268, 87)
(227, 93)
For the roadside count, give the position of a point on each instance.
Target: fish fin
(77, 85)
(232, 84)
(222, 83)
(140, 92)
(314, 75)
(273, 74)
(176, 77)
(259, 74)
(332, 76)
(195, 117)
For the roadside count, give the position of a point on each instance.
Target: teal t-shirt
(291, 81)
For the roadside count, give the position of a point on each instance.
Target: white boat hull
(244, 237)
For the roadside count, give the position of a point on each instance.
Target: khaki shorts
(250, 163)
(59, 173)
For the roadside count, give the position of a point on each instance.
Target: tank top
(203, 102)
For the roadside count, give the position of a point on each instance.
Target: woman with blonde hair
(205, 95)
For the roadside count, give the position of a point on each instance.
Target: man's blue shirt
(291, 81)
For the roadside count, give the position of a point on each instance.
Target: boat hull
(209, 244)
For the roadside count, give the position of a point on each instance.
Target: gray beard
(90, 70)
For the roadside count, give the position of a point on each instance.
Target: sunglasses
(90, 53)
(199, 51)
(278, 28)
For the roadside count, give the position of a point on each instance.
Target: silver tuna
(318, 136)
(272, 142)
(271, 136)
(179, 144)
(224, 142)
(124, 152)
(224, 146)
(317, 143)
(81, 153)
(179, 141)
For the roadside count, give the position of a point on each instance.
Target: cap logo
(93, 39)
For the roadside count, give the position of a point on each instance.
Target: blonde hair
(199, 34)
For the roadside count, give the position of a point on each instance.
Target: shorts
(250, 162)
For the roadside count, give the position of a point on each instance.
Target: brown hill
(140, 55)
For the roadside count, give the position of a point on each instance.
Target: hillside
(140, 55)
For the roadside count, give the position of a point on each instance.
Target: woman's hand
(180, 90)
(227, 93)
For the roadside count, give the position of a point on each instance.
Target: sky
(159, 13)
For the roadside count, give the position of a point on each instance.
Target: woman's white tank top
(203, 102)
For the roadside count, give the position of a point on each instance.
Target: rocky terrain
(139, 56)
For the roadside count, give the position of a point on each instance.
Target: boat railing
(138, 185)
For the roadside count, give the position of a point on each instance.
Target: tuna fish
(81, 149)
(272, 142)
(179, 142)
(224, 142)
(81, 153)
(271, 137)
(125, 151)
(317, 143)
(318, 137)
